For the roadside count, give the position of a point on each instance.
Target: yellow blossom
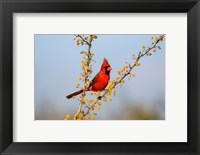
(83, 117)
(75, 115)
(90, 71)
(79, 78)
(84, 74)
(109, 99)
(82, 67)
(133, 75)
(84, 57)
(133, 55)
(137, 63)
(156, 38)
(112, 81)
(95, 93)
(73, 97)
(110, 88)
(82, 111)
(78, 39)
(92, 53)
(154, 50)
(122, 81)
(99, 93)
(82, 61)
(105, 99)
(94, 113)
(93, 118)
(119, 71)
(93, 36)
(77, 85)
(68, 117)
(109, 92)
(87, 100)
(99, 107)
(161, 37)
(117, 78)
(86, 84)
(143, 46)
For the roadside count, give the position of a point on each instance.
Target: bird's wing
(94, 80)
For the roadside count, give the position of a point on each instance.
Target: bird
(99, 82)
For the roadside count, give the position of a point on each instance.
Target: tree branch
(89, 58)
(140, 55)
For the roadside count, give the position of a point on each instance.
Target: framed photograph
(102, 77)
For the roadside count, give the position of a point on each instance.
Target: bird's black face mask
(108, 69)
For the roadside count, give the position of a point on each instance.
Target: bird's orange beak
(109, 68)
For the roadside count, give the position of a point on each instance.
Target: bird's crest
(105, 63)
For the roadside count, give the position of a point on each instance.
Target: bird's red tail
(74, 94)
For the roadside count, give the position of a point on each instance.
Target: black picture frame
(8, 7)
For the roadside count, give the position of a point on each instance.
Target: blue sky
(57, 67)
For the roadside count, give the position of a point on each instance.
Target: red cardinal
(99, 82)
